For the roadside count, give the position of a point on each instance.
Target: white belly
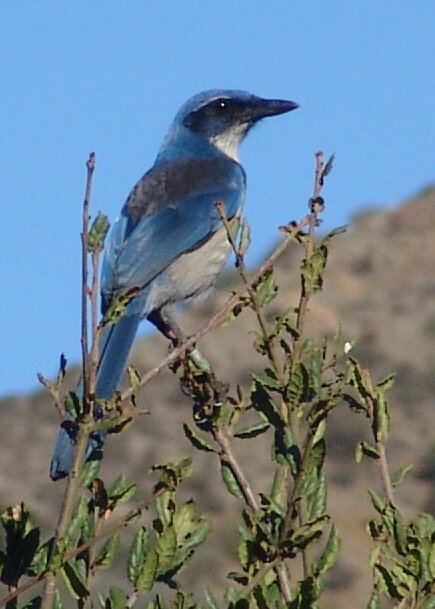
(189, 275)
(196, 271)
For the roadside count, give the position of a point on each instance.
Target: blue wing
(133, 259)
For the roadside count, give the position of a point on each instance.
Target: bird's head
(224, 117)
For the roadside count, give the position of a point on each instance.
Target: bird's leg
(165, 323)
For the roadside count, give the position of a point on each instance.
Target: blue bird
(169, 241)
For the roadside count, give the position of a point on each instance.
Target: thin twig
(381, 460)
(309, 248)
(133, 598)
(83, 435)
(95, 328)
(227, 456)
(382, 464)
(90, 164)
(292, 413)
(258, 310)
(53, 389)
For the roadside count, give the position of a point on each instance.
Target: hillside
(380, 284)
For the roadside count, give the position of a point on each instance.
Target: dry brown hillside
(380, 284)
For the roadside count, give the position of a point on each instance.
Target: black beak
(259, 108)
(262, 108)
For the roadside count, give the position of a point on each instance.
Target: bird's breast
(190, 275)
(195, 271)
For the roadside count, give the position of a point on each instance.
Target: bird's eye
(220, 106)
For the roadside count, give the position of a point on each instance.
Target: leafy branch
(287, 541)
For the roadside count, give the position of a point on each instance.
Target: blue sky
(108, 76)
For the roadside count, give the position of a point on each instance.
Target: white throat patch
(228, 142)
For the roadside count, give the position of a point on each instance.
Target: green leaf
(354, 405)
(399, 533)
(114, 424)
(91, 469)
(364, 449)
(319, 434)
(212, 603)
(263, 403)
(122, 490)
(166, 545)
(74, 581)
(386, 383)
(245, 237)
(267, 380)
(316, 458)
(424, 525)
(381, 418)
(148, 572)
(298, 386)
(265, 288)
(56, 558)
(307, 533)
(79, 516)
(182, 469)
(40, 560)
(316, 361)
(279, 487)
(165, 505)
(97, 233)
(72, 404)
(197, 440)
(330, 553)
(243, 553)
(202, 529)
(118, 306)
(230, 481)
(360, 379)
(183, 520)
(285, 449)
(374, 601)
(395, 588)
(316, 496)
(284, 322)
(57, 601)
(138, 550)
(428, 602)
(253, 430)
(118, 598)
(319, 411)
(22, 541)
(400, 475)
(108, 552)
(312, 270)
(378, 503)
(134, 379)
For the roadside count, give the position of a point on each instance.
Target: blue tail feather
(115, 345)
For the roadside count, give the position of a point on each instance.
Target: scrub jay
(169, 241)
